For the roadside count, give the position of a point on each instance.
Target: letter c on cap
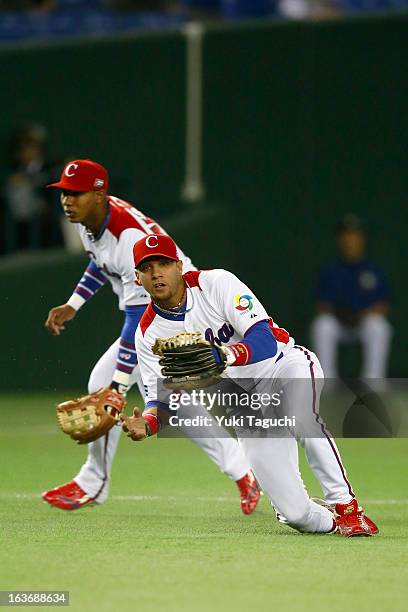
(148, 240)
(68, 168)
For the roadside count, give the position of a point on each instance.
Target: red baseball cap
(83, 175)
(154, 245)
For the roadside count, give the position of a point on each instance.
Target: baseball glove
(188, 361)
(89, 417)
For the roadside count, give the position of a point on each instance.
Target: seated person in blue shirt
(352, 303)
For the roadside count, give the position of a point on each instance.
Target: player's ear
(100, 196)
(137, 278)
(179, 265)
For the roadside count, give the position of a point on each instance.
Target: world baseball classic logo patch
(244, 303)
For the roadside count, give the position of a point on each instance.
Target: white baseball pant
(374, 332)
(275, 460)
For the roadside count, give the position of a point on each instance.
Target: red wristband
(242, 353)
(152, 422)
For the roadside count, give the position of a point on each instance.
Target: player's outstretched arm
(138, 426)
(92, 280)
(57, 317)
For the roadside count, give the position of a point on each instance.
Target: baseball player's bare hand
(57, 317)
(134, 426)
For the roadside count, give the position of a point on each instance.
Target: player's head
(83, 185)
(351, 238)
(158, 268)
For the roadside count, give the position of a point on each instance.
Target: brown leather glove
(90, 417)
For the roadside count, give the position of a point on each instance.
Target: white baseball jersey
(112, 250)
(219, 306)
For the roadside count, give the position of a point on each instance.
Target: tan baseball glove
(90, 417)
(188, 361)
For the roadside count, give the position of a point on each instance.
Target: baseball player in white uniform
(228, 314)
(109, 227)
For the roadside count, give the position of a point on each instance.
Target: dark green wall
(118, 101)
(34, 359)
(303, 122)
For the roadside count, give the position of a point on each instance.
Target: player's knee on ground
(299, 519)
(306, 521)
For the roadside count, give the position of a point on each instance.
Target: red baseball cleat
(372, 526)
(351, 521)
(350, 518)
(68, 496)
(249, 492)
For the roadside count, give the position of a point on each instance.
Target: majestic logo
(70, 167)
(244, 302)
(149, 242)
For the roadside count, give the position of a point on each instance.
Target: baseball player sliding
(239, 337)
(109, 227)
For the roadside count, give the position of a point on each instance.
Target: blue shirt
(352, 286)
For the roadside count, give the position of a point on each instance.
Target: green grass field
(172, 536)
